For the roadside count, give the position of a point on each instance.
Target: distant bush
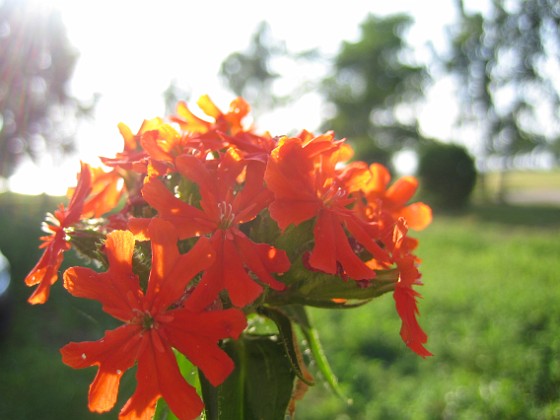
(447, 175)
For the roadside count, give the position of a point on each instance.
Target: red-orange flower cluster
(189, 221)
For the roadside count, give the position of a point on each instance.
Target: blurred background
(463, 94)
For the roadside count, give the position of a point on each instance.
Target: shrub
(447, 175)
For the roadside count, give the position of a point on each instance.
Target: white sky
(129, 51)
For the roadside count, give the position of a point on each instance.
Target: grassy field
(528, 180)
(522, 186)
(490, 308)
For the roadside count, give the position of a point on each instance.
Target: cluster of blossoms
(200, 223)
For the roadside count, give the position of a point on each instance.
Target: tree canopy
(372, 83)
(36, 64)
(249, 74)
(506, 63)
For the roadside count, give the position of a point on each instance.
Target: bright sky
(130, 50)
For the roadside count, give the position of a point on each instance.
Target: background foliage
(447, 174)
(370, 80)
(37, 113)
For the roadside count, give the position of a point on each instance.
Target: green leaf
(261, 385)
(262, 229)
(289, 341)
(298, 314)
(295, 240)
(163, 412)
(260, 325)
(190, 373)
(322, 290)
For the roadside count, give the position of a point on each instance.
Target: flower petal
(380, 178)
(188, 220)
(242, 288)
(208, 106)
(289, 172)
(411, 332)
(401, 191)
(262, 259)
(323, 256)
(79, 195)
(190, 122)
(287, 212)
(332, 248)
(118, 288)
(171, 272)
(254, 196)
(418, 215)
(207, 289)
(196, 336)
(158, 375)
(45, 272)
(113, 354)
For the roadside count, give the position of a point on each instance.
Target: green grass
(34, 384)
(520, 180)
(490, 308)
(541, 185)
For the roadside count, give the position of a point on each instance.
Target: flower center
(225, 214)
(145, 320)
(332, 195)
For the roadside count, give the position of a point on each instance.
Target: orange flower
(391, 200)
(229, 123)
(301, 173)
(107, 188)
(223, 130)
(45, 272)
(224, 206)
(133, 157)
(154, 324)
(387, 207)
(252, 146)
(163, 144)
(404, 295)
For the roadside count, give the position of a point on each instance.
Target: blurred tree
(254, 73)
(248, 74)
(447, 174)
(373, 89)
(506, 64)
(36, 63)
(173, 94)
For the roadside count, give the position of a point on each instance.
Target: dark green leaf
(322, 290)
(289, 341)
(163, 412)
(261, 385)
